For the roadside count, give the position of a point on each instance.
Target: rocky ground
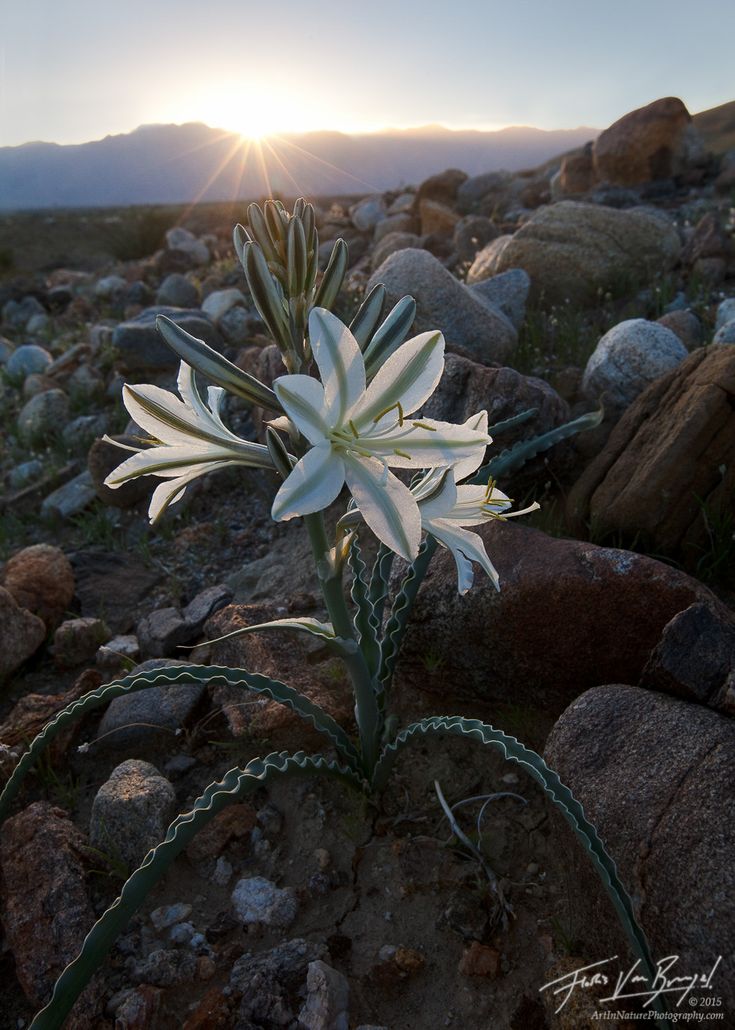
(608, 276)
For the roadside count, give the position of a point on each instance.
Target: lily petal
(442, 499)
(387, 505)
(466, 548)
(304, 401)
(160, 413)
(173, 490)
(467, 466)
(425, 444)
(408, 377)
(314, 482)
(340, 362)
(167, 461)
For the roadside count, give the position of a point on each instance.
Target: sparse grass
(139, 234)
(98, 527)
(716, 564)
(557, 338)
(61, 788)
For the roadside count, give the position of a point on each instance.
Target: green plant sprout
(343, 414)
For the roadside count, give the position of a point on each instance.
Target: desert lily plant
(346, 413)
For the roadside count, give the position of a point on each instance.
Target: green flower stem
(366, 704)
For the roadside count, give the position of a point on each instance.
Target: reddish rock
(40, 579)
(569, 615)
(669, 461)
(31, 713)
(577, 174)
(437, 218)
(709, 242)
(442, 188)
(45, 908)
(139, 1008)
(285, 657)
(653, 142)
(212, 1013)
(234, 822)
(480, 960)
(21, 634)
(654, 775)
(686, 325)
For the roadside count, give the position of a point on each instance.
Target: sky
(77, 70)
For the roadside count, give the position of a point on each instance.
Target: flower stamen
(391, 408)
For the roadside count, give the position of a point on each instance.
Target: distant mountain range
(161, 164)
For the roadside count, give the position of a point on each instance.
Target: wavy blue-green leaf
(517, 456)
(379, 581)
(170, 676)
(235, 785)
(559, 793)
(303, 624)
(364, 621)
(513, 421)
(395, 627)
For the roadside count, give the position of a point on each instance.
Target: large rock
(654, 142)
(131, 812)
(140, 348)
(446, 304)
(654, 775)
(577, 172)
(441, 187)
(670, 459)
(390, 243)
(466, 388)
(695, 658)
(40, 578)
(45, 908)
(627, 359)
(569, 615)
(471, 234)
(574, 250)
(21, 634)
(507, 291)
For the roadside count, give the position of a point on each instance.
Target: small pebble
(167, 915)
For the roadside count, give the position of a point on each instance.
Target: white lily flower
(189, 437)
(357, 432)
(447, 508)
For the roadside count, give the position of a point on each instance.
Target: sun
(256, 114)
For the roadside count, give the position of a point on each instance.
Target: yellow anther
(391, 408)
(423, 425)
(402, 454)
(354, 431)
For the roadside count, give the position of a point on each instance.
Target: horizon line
(382, 130)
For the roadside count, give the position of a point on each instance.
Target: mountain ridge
(184, 163)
